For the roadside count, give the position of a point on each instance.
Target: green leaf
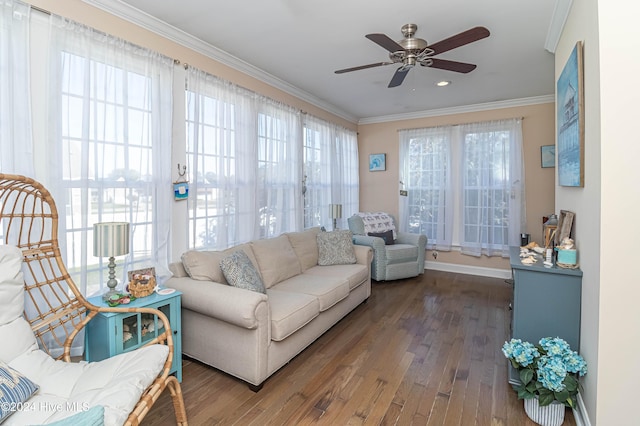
(570, 402)
(526, 375)
(546, 399)
(562, 396)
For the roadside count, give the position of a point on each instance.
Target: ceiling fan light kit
(411, 51)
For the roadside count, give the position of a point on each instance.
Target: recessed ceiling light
(443, 83)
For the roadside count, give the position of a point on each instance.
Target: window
(464, 185)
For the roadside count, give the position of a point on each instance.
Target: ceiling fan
(412, 50)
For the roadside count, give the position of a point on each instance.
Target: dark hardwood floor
(421, 351)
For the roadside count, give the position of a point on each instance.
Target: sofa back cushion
(276, 258)
(305, 246)
(205, 265)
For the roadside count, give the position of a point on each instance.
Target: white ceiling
(303, 42)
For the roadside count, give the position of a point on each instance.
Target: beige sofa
(249, 334)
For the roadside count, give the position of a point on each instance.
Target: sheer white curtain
(492, 186)
(16, 154)
(346, 173)
(425, 173)
(221, 158)
(110, 106)
(279, 183)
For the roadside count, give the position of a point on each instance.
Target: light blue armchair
(403, 259)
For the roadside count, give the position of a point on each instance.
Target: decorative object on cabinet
(142, 282)
(548, 156)
(42, 296)
(377, 162)
(110, 239)
(570, 120)
(565, 223)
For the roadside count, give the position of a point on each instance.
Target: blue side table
(109, 333)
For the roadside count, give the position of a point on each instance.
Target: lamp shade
(336, 211)
(110, 239)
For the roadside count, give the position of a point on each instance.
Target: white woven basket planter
(549, 415)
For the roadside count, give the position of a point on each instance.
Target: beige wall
(86, 14)
(607, 208)
(379, 190)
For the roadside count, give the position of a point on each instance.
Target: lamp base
(107, 294)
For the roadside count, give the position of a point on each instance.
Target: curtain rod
(459, 124)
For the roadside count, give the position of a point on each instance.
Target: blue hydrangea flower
(574, 363)
(551, 373)
(555, 346)
(521, 352)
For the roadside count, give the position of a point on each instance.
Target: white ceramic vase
(549, 415)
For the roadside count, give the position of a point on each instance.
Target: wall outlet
(434, 254)
(403, 193)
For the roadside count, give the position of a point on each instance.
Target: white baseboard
(580, 413)
(469, 270)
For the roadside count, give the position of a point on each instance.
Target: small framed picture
(181, 190)
(548, 156)
(377, 162)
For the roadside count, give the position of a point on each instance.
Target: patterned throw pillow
(335, 248)
(14, 390)
(386, 236)
(240, 272)
(377, 222)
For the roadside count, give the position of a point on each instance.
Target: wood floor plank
(421, 351)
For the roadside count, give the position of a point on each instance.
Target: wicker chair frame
(29, 220)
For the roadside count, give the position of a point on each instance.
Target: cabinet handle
(510, 307)
(175, 331)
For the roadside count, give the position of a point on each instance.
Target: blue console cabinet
(546, 303)
(109, 334)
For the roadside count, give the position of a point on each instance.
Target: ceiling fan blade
(444, 64)
(398, 77)
(384, 41)
(362, 67)
(465, 37)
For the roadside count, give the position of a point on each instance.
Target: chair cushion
(399, 253)
(290, 312)
(328, 290)
(276, 259)
(15, 389)
(335, 248)
(378, 222)
(306, 247)
(240, 272)
(115, 383)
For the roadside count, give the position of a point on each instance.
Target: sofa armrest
(224, 302)
(364, 254)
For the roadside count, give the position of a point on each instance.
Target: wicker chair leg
(178, 401)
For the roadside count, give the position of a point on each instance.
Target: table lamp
(336, 213)
(110, 239)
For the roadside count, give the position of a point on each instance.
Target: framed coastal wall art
(570, 120)
(548, 156)
(377, 162)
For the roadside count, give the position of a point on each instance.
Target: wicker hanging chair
(29, 220)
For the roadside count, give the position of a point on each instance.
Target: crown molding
(146, 21)
(461, 109)
(558, 19)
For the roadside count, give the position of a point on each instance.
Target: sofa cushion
(290, 312)
(355, 274)
(14, 390)
(305, 245)
(205, 265)
(328, 290)
(335, 248)
(240, 272)
(399, 253)
(276, 259)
